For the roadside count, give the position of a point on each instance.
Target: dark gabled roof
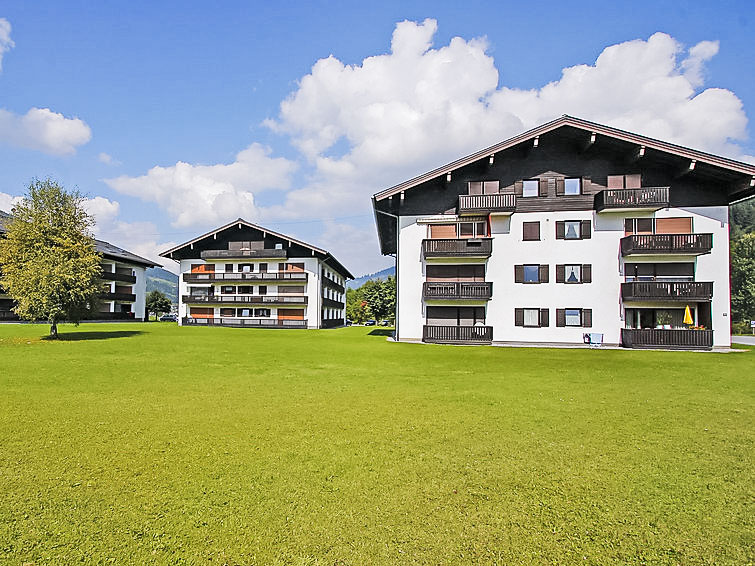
(591, 127)
(327, 257)
(114, 252)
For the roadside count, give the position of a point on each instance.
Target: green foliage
(157, 302)
(743, 278)
(380, 297)
(339, 447)
(356, 306)
(48, 258)
(742, 216)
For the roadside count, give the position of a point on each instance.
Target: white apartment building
(568, 233)
(247, 276)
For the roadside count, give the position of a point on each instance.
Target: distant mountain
(358, 282)
(159, 279)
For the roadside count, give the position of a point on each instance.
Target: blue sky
(195, 91)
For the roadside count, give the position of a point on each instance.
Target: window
(624, 181)
(531, 317)
(245, 267)
(530, 231)
(246, 290)
(227, 290)
(572, 186)
(573, 230)
(677, 225)
(227, 312)
(245, 312)
(574, 317)
(638, 226)
(483, 187)
(263, 289)
(473, 229)
(262, 312)
(530, 187)
(531, 273)
(228, 267)
(199, 291)
(572, 273)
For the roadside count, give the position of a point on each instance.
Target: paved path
(744, 340)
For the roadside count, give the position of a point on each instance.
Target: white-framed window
(572, 273)
(572, 230)
(530, 188)
(531, 317)
(573, 317)
(572, 186)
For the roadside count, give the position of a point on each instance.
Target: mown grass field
(152, 444)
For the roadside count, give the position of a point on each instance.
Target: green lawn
(148, 443)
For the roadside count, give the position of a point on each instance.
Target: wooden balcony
(328, 282)
(332, 323)
(457, 247)
(688, 291)
(332, 303)
(457, 334)
(453, 290)
(653, 244)
(244, 254)
(499, 203)
(624, 200)
(121, 277)
(279, 276)
(124, 297)
(245, 299)
(676, 339)
(244, 322)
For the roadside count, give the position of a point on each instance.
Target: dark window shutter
(544, 317)
(530, 231)
(518, 317)
(560, 230)
(560, 317)
(518, 274)
(543, 192)
(518, 188)
(586, 231)
(560, 186)
(560, 274)
(587, 318)
(542, 275)
(586, 186)
(587, 273)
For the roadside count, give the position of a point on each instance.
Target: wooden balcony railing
(328, 282)
(485, 204)
(122, 277)
(687, 244)
(126, 297)
(457, 334)
(671, 339)
(295, 276)
(457, 290)
(667, 291)
(244, 299)
(244, 322)
(243, 254)
(458, 247)
(326, 302)
(646, 197)
(332, 323)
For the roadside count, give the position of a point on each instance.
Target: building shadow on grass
(381, 332)
(103, 335)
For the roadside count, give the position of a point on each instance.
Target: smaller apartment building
(246, 276)
(568, 230)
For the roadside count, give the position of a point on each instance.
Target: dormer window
(572, 186)
(530, 187)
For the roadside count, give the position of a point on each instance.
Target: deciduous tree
(157, 303)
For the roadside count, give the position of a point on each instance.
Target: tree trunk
(54, 329)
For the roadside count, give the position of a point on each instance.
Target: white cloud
(103, 210)
(693, 66)
(8, 201)
(107, 159)
(141, 238)
(195, 195)
(43, 130)
(6, 43)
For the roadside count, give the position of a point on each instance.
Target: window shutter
(560, 186)
(531, 231)
(543, 192)
(560, 274)
(518, 274)
(587, 273)
(518, 188)
(542, 275)
(560, 230)
(586, 187)
(518, 317)
(543, 317)
(560, 317)
(587, 318)
(586, 232)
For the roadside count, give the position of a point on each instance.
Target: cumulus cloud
(103, 210)
(107, 159)
(141, 238)
(8, 201)
(6, 43)
(208, 194)
(43, 130)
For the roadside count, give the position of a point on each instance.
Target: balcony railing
(671, 339)
(667, 291)
(687, 244)
(113, 316)
(126, 297)
(457, 290)
(485, 204)
(332, 323)
(244, 299)
(328, 282)
(651, 198)
(122, 277)
(461, 247)
(8, 315)
(297, 276)
(243, 254)
(332, 303)
(457, 334)
(244, 322)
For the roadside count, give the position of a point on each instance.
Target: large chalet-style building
(124, 281)
(247, 276)
(567, 231)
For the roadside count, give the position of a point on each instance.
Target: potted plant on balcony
(663, 320)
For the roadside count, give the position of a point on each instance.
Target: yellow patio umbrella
(687, 315)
